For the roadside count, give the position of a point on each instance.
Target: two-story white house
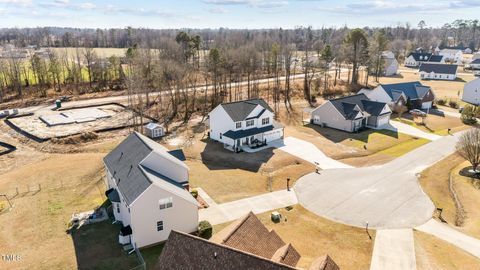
(452, 55)
(428, 71)
(148, 188)
(247, 123)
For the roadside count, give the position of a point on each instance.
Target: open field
(433, 253)
(442, 89)
(313, 236)
(100, 52)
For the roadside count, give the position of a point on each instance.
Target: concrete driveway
(409, 130)
(387, 196)
(307, 151)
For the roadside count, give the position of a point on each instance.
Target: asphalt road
(387, 196)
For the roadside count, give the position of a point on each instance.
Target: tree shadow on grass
(215, 157)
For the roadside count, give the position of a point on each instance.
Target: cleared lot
(46, 124)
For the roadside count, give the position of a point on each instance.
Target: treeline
(178, 63)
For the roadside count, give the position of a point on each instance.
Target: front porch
(251, 140)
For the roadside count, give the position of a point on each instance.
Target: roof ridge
(358, 94)
(141, 139)
(231, 248)
(239, 224)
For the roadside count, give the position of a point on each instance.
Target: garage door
(427, 105)
(383, 120)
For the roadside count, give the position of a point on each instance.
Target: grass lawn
(435, 124)
(434, 181)
(313, 236)
(369, 147)
(36, 227)
(150, 255)
(434, 253)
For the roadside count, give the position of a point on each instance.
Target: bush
(453, 104)
(205, 229)
(441, 102)
(468, 115)
(194, 193)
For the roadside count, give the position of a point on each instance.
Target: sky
(242, 14)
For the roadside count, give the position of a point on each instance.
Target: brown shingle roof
(287, 255)
(324, 263)
(184, 251)
(250, 235)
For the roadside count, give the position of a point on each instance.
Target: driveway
(387, 196)
(409, 130)
(309, 152)
(394, 250)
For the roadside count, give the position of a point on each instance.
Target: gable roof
(350, 106)
(438, 68)
(184, 251)
(324, 263)
(250, 235)
(240, 110)
(426, 57)
(435, 58)
(476, 61)
(419, 56)
(413, 90)
(125, 164)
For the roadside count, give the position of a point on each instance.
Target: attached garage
(427, 105)
(383, 120)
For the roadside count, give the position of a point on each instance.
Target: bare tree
(468, 146)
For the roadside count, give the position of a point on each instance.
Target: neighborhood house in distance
(414, 94)
(430, 71)
(415, 59)
(244, 124)
(148, 187)
(352, 113)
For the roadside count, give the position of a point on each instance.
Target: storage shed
(154, 130)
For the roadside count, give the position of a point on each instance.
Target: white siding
(124, 214)
(437, 76)
(410, 62)
(166, 166)
(471, 92)
(145, 211)
(220, 122)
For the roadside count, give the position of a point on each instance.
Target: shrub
(441, 101)
(468, 115)
(453, 104)
(205, 229)
(194, 193)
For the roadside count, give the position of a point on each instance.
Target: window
(220, 136)
(250, 123)
(118, 207)
(165, 203)
(159, 226)
(265, 121)
(238, 125)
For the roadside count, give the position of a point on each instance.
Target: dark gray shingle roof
(239, 110)
(438, 68)
(413, 90)
(184, 251)
(350, 106)
(123, 162)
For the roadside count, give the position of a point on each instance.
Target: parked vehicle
(418, 112)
